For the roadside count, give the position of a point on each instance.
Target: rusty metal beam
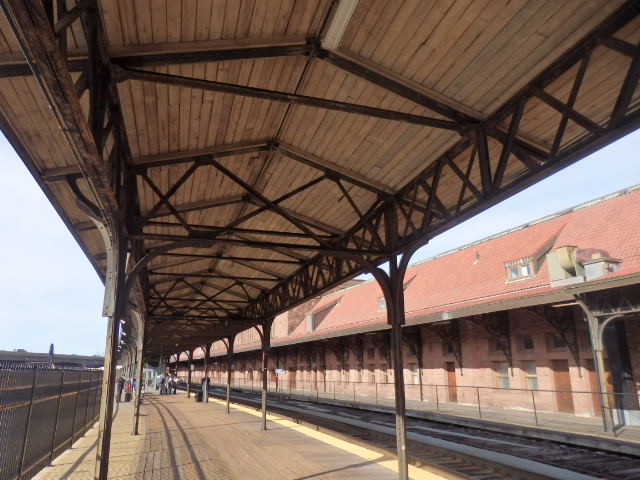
(471, 158)
(122, 74)
(176, 53)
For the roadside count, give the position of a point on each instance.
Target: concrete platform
(182, 439)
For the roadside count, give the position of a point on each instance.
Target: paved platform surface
(182, 439)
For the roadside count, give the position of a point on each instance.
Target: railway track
(456, 450)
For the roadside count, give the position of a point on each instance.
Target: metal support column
(597, 345)
(392, 285)
(114, 309)
(189, 364)
(132, 364)
(139, 382)
(230, 341)
(266, 345)
(205, 383)
(395, 316)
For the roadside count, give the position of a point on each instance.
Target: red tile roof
(476, 274)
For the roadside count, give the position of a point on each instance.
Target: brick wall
(530, 337)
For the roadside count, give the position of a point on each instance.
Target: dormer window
(519, 269)
(315, 318)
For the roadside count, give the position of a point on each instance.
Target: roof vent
(597, 263)
(564, 268)
(568, 265)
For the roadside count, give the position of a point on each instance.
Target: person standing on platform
(163, 384)
(119, 389)
(173, 385)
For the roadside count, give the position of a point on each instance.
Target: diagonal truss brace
(490, 163)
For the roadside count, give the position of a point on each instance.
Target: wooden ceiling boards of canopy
(280, 141)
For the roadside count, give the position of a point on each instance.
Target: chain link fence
(42, 412)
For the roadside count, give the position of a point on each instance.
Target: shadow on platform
(184, 440)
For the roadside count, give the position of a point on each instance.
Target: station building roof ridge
(458, 283)
(579, 206)
(484, 272)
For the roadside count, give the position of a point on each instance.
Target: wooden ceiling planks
(318, 175)
(143, 22)
(187, 119)
(459, 50)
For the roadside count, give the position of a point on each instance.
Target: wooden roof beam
(219, 290)
(173, 53)
(198, 228)
(210, 51)
(170, 158)
(188, 342)
(269, 204)
(260, 269)
(339, 23)
(333, 170)
(204, 239)
(200, 205)
(214, 275)
(296, 288)
(206, 298)
(31, 27)
(193, 317)
(220, 307)
(400, 86)
(122, 74)
(187, 156)
(312, 222)
(222, 256)
(249, 262)
(179, 299)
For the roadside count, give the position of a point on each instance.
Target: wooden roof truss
(215, 265)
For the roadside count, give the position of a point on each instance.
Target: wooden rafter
(122, 74)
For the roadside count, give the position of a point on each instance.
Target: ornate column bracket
(381, 341)
(449, 333)
(307, 354)
(356, 345)
(265, 338)
(412, 337)
(564, 323)
(339, 346)
(139, 369)
(496, 324)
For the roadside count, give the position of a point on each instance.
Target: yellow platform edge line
(415, 473)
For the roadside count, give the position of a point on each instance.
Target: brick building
(501, 317)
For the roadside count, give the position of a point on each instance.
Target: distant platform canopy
(22, 357)
(250, 155)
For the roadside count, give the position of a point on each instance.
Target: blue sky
(49, 292)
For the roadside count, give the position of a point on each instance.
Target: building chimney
(597, 263)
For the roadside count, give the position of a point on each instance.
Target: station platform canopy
(249, 155)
